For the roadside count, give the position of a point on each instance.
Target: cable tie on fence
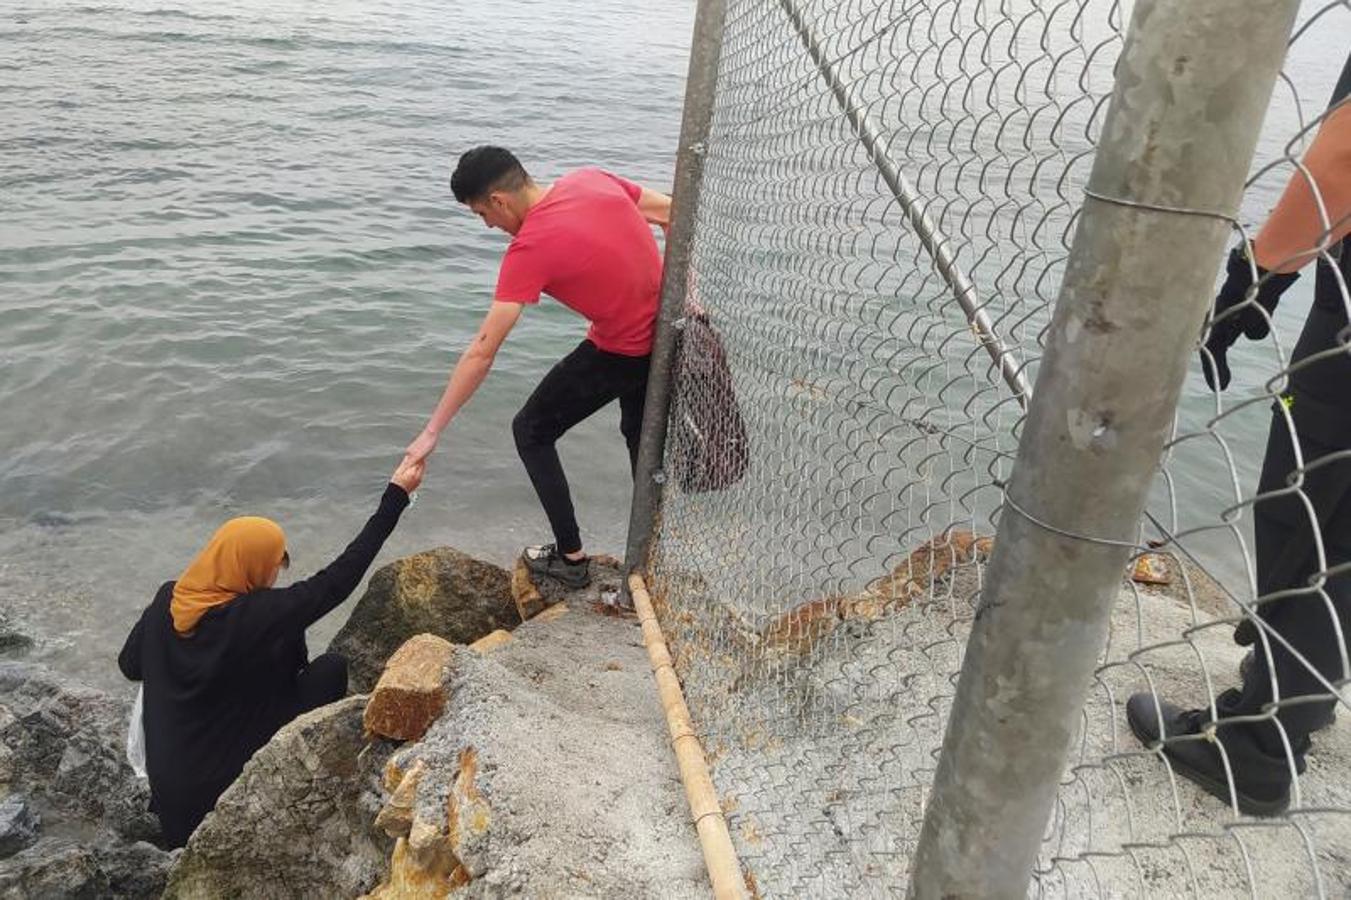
(1110, 542)
(1156, 207)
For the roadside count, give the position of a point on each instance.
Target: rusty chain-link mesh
(818, 603)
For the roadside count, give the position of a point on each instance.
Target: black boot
(1261, 782)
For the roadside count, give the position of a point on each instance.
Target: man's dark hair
(486, 169)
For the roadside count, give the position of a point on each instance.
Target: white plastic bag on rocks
(136, 736)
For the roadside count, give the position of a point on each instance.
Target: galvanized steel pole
(1192, 85)
(705, 51)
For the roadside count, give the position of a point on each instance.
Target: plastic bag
(136, 736)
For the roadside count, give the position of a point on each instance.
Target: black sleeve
(129, 660)
(270, 614)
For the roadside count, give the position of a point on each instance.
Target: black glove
(1249, 322)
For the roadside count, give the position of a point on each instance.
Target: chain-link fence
(888, 197)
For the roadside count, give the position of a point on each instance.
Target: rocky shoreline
(504, 739)
(74, 818)
(491, 758)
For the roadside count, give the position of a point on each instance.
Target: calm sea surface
(233, 279)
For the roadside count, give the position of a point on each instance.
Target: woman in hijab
(222, 658)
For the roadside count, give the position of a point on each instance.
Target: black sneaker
(546, 560)
(1261, 782)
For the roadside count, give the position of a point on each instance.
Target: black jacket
(215, 697)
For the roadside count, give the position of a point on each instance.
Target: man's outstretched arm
(467, 375)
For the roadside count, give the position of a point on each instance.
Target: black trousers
(1284, 525)
(1309, 620)
(583, 382)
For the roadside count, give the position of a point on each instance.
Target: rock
(529, 601)
(929, 563)
(411, 692)
(469, 817)
(441, 592)
(409, 881)
(396, 818)
(805, 626)
(12, 641)
(299, 820)
(137, 870)
(18, 825)
(395, 769)
(54, 869)
(1151, 568)
(63, 744)
(429, 846)
(64, 868)
(1171, 574)
(552, 613)
(490, 642)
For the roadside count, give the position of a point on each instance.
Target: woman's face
(276, 573)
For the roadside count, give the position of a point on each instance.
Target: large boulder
(299, 820)
(443, 592)
(411, 693)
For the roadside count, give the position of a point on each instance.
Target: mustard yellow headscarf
(242, 556)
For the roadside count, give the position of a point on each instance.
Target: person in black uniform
(1301, 597)
(222, 658)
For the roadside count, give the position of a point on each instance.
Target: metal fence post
(705, 52)
(1192, 86)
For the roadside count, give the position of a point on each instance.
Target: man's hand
(421, 448)
(408, 475)
(1250, 321)
(656, 209)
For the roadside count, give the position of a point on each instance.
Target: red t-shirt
(586, 245)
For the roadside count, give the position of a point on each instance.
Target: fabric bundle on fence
(710, 447)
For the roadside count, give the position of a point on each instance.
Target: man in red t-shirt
(586, 240)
